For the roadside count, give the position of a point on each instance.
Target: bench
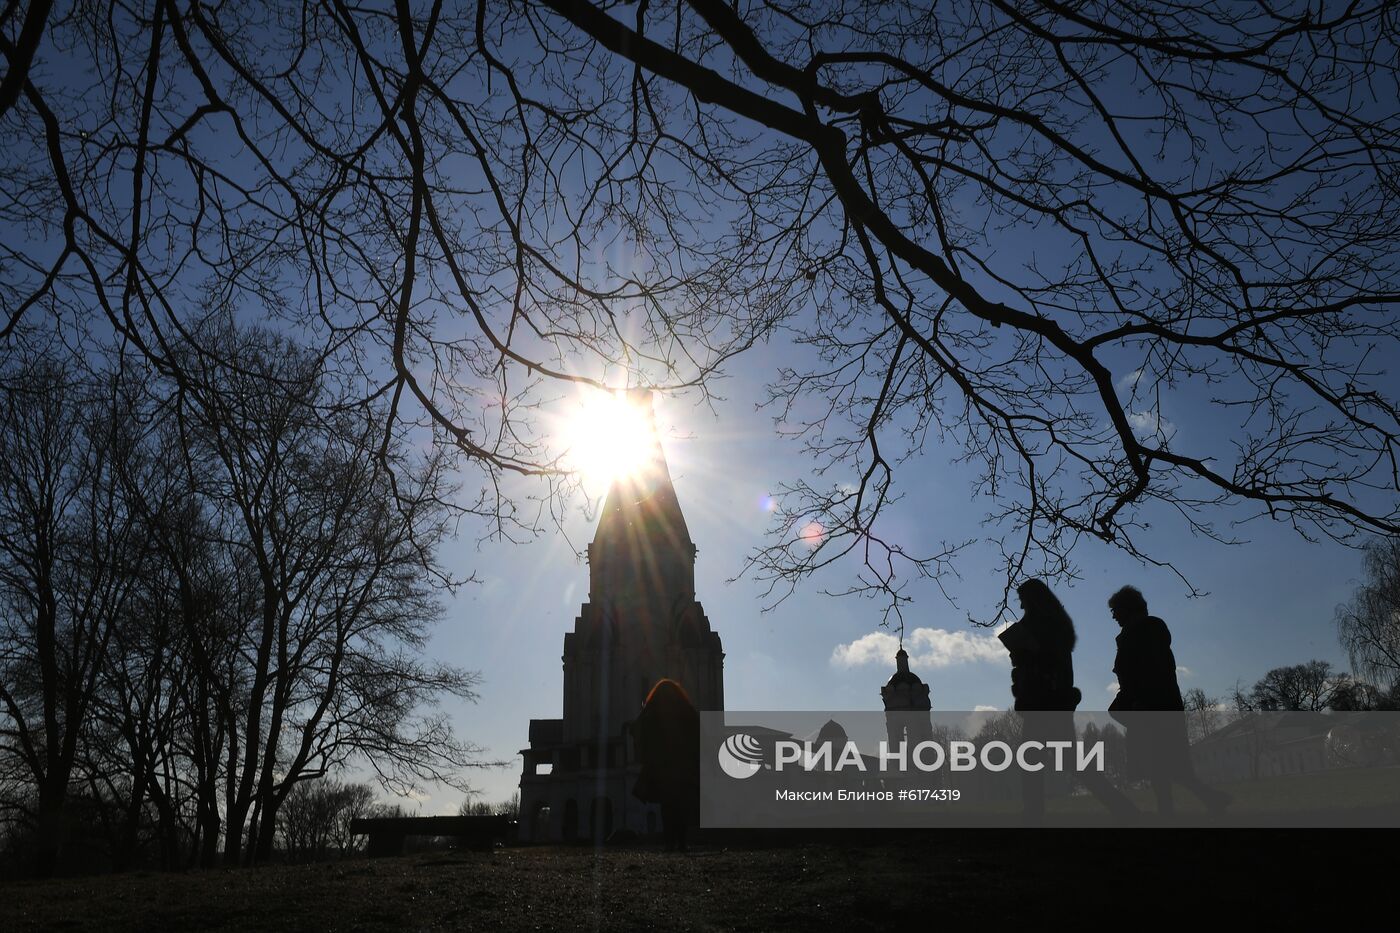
(387, 833)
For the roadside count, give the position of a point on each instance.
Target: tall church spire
(641, 623)
(642, 547)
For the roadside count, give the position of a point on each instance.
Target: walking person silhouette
(1042, 682)
(666, 736)
(1149, 705)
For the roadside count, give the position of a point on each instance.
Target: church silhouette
(641, 623)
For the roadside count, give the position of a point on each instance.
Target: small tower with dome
(904, 696)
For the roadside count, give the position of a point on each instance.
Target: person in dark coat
(1158, 748)
(666, 736)
(1042, 682)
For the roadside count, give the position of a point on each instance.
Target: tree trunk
(209, 841)
(267, 833)
(125, 854)
(52, 827)
(233, 834)
(168, 831)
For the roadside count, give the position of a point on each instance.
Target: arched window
(539, 822)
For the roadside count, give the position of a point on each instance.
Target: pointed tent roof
(643, 504)
(642, 544)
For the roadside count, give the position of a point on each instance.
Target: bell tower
(905, 696)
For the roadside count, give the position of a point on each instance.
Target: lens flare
(610, 438)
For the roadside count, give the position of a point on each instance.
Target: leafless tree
(128, 752)
(136, 748)
(214, 587)
(1311, 687)
(315, 817)
(337, 527)
(473, 806)
(1115, 745)
(1022, 231)
(1369, 622)
(1165, 161)
(1356, 696)
(1203, 713)
(70, 555)
(1005, 727)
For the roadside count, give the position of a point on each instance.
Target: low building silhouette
(1267, 744)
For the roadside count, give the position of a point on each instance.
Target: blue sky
(1270, 599)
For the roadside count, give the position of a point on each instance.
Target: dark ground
(948, 880)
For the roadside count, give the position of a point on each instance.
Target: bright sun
(610, 437)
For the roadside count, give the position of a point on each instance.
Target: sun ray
(610, 437)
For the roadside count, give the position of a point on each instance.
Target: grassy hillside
(851, 883)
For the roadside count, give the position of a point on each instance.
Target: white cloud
(868, 649)
(1112, 688)
(1149, 424)
(1183, 671)
(927, 647)
(1143, 421)
(1128, 382)
(984, 708)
